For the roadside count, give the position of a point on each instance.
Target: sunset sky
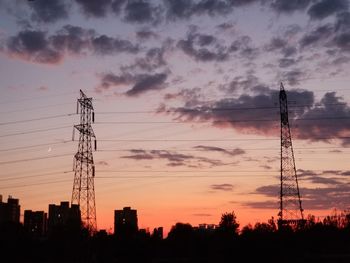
(186, 104)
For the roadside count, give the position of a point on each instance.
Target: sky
(185, 94)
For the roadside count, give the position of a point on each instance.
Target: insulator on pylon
(93, 116)
(95, 144)
(73, 133)
(93, 171)
(77, 107)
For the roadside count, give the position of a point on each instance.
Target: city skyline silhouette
(186, 99)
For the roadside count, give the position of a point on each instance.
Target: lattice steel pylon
(291, 212)
(83, 193)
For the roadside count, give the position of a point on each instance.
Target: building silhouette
(35, 222)
(63, 215)
(158, 233)
(10, 211)
(125, 222)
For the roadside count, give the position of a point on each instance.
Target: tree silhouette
(229, 224)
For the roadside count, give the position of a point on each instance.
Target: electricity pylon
(291, 212)
(83, 193)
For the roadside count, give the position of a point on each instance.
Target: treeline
(317, 240)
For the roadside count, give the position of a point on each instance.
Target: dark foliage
(326, 240)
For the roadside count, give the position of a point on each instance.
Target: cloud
(152, 60)
(43, 88)
(312, 198)
(140, 83)
(286, 62)
(336, 35)
(140, 11)
(146, 83)
(287, 6)
(201, 48)
(146, 34)
(104, 45)
(39, 47)
(293, 76)
(252, 114)
(33, 46)
(174, 159)
(102, 163)
(207, 48)
(202, 215)
(233, 152)
(317, 36)
(185, 9)
(257, 113)
(330, 109)
(99, 8)
(222, 187)
(325, 8)
(48, 11)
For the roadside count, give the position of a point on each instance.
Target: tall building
(125, 222)
(10, 211)
(62, 215)
(35, 222)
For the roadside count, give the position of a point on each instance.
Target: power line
(35, 131)
(33, 146)
(219, 121)
(34, 159)
(36, 108)
(33, 176)
(38, 119)
(185, 171)
(179, 110)
(211, 140)
(224, 149)
(35, 184)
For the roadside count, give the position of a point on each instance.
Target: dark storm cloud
(38, 46)
(233, 152)
(174, 159)
(48, 11)
(146, 83)
(222, 187)
(324, 8)
(288, 6)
